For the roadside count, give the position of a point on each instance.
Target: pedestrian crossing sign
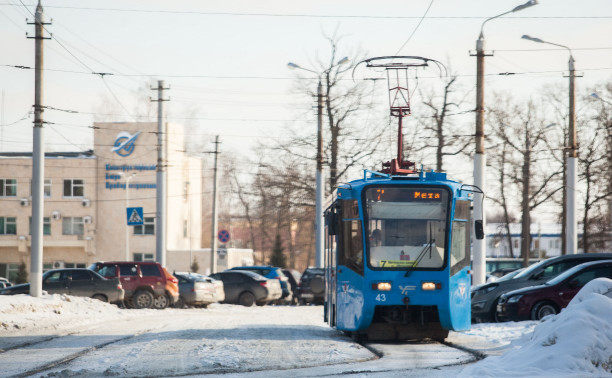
(134, 216)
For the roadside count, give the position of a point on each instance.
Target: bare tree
(592, 162)
(602, 105)
(523, 129)
(353, 138)
(449, 141)
(499, 163)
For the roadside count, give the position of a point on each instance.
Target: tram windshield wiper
(428, 246)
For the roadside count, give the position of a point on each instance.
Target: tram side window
(352, 246)
(460, 246)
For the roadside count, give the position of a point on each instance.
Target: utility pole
(213, 235)
(479, 250)
(571, 228)
(319, 181)
(161, 200)
(38, 161)
(479, 254)
(572, 158)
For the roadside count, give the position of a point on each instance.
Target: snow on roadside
(576, 342)
(23, 312)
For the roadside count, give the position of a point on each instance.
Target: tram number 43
(381, 298)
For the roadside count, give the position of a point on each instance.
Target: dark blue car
(270, 272)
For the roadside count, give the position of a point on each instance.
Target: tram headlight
(429, 286)
(382, 286)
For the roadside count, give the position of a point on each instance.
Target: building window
(9, 271)
(143, 257)
(8, 226)
(46, 226)
(13, 272)
(147, 228)
(72, 226)
(516, 242)
(46, 188)
(74, 188)
(185, 228)
(8, 188)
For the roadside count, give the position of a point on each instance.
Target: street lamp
(127, 177)
(479, 256)
(572, 154)
(319, 173)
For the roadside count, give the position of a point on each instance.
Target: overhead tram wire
(300, 15)
(415, 28)
(194, 76)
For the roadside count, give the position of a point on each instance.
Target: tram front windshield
(406, 227)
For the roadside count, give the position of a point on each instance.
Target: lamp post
(572, 155)
(319, 193)
(479, 255)
(127, 178)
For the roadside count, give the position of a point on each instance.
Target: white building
(545, 239)
(85, 217)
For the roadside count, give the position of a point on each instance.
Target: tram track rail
(71, 357)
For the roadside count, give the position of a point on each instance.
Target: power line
(196, 76)
(301, 15)
(416, 27)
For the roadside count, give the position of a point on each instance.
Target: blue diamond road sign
(134, 216)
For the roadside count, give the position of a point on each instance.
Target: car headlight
(514, 298)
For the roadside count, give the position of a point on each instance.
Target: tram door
(332, 217)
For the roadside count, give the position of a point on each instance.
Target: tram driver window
(406, 227)
(352, 248)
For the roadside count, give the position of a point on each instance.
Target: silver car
(198, 290)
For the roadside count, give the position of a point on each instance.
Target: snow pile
(23, 312)
(576, 342)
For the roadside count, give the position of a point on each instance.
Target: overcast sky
(226, 61)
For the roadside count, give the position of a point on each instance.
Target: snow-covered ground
(265, 341)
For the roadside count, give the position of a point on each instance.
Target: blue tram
(397, 251)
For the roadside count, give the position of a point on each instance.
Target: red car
(536, 302)
(146, 284)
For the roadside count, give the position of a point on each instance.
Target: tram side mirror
(331, 221)
(478, 229)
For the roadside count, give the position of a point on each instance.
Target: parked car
(271, 272)
(146, 284)
(78, 282)
(536, 302)
(311, 288)
(502, 272)
(294, 279)
(485, 297)
(247, 288)
(4, 283)
(198, 290)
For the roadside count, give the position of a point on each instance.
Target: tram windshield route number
(396, 263)
(408, 195)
